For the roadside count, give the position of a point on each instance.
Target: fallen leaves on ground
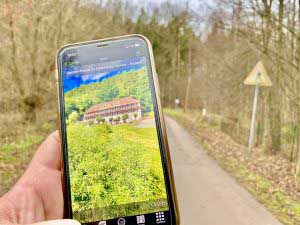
(275, 168)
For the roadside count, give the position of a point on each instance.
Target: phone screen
(114, 155)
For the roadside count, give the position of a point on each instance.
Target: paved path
(147, 123)
(207, 195)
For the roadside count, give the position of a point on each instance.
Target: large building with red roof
(114, 108)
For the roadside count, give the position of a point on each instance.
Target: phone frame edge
(65, 180)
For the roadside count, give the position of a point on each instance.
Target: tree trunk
(298, 124)
(267, 135)
(298, 97)
(275, 120)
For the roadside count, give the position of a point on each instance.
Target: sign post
(257, 77)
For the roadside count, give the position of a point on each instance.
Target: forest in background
(203, 52)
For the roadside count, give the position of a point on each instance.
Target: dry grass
(18, 142)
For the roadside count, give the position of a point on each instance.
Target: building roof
(110, 104)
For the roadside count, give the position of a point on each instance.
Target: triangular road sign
(258, 76)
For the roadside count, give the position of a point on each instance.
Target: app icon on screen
(140, 219)
(160, 217)
(121, 221)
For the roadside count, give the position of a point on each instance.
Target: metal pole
(252, 129)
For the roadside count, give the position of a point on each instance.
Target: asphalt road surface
(207, 195)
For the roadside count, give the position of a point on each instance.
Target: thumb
(58, 222)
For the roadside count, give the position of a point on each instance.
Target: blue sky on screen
(75, 76)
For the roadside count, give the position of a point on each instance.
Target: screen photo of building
(113, 148)
(113, 109)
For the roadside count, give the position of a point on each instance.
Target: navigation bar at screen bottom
(162, 218)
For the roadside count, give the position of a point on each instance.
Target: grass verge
(15, 156)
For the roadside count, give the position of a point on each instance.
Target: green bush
(111, 166)
(73, 117)
(100, 119)
(125, 117)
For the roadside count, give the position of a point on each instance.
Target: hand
(38, 195)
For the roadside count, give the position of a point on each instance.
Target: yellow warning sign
(258, 76)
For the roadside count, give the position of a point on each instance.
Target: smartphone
(116, 162)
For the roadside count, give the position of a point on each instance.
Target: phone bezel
(166, 159)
